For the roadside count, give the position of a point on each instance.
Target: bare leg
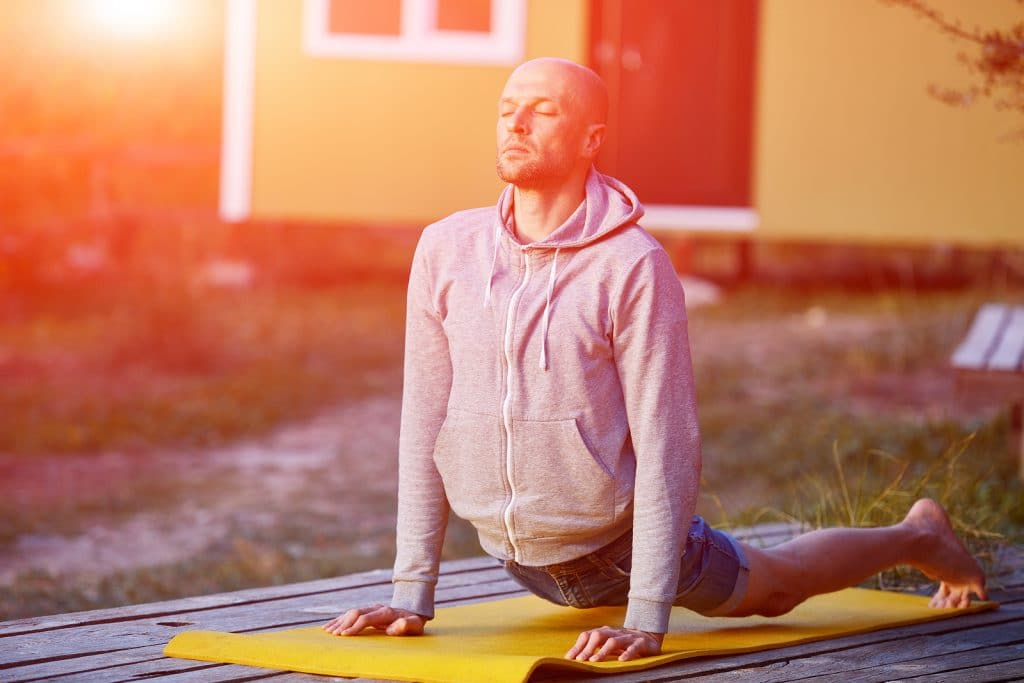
(831, 559)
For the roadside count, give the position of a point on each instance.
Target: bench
(990, 361)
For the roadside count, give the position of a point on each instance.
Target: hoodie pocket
(561, 488)
(467, 453)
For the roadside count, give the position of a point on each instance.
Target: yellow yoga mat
(505, 640)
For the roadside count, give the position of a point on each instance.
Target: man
(549, 400)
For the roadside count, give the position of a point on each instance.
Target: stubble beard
(521, 174)
(529, 173)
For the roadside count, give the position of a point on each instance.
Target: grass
(195, 368)
(819, 431)
(825, 407)
(876, 488)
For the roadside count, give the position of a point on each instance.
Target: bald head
(584, 90)
(551, 123)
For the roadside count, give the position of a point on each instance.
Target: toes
(954, 596)
(941, 597)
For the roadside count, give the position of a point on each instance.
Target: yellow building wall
(377, 141)
(849, 145)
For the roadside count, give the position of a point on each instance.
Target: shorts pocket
(615, 569)
(561, 488)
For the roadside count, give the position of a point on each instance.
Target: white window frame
(235, 203)
(419, 39)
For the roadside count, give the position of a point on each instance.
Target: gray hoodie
(548, 397)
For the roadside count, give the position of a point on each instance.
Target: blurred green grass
(189, 367)
(795, 388)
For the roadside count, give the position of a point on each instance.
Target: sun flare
(129, 17)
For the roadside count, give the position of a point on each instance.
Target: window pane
(464, 15)
(381, 17)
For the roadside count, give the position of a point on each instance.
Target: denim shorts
(712, 574)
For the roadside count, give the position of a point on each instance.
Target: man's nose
(516, 123)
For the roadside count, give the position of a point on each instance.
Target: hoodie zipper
(506, 407)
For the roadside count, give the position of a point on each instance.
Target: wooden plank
(310, 678)
(1005, 663)
(1007, 592)
(253, 600)
(231, 674)
(164, 670)
(866, 662)
(1010, 348)
(283, 613)
(98, 665)
(148, 662)
(109, 660)
(845, 661)
(168, 608)
(974, 350)
(292, 606)
(290, 677)
(89, 664)
(91, 651)
(765, 660)
(94, 644)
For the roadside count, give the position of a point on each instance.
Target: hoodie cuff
(414, 596)
(647, 615)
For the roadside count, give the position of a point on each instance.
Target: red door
(681, 76)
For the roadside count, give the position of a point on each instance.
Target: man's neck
(538, 213)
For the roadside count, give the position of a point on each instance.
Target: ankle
(920, 544)
(924, 546)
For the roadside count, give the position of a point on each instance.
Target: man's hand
(599, 644)
(395, 622)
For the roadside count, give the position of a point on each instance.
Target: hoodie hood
(608, 206)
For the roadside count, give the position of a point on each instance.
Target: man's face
(540, 128)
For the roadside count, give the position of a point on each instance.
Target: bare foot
(944, 558)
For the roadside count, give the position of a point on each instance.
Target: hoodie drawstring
(494, 261)
(547, 304)
(547, 309)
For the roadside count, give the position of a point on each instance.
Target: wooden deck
(125, 644)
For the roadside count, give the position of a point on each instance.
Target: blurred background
(208, 209)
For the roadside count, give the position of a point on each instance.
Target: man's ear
(593, 140)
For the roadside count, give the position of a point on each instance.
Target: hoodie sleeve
(652, 356)
(422, 505)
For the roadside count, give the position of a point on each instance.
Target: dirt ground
(324, 467)
(338, 470)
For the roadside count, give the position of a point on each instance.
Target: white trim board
(237, 121)
(420, 40)
(700, 218)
